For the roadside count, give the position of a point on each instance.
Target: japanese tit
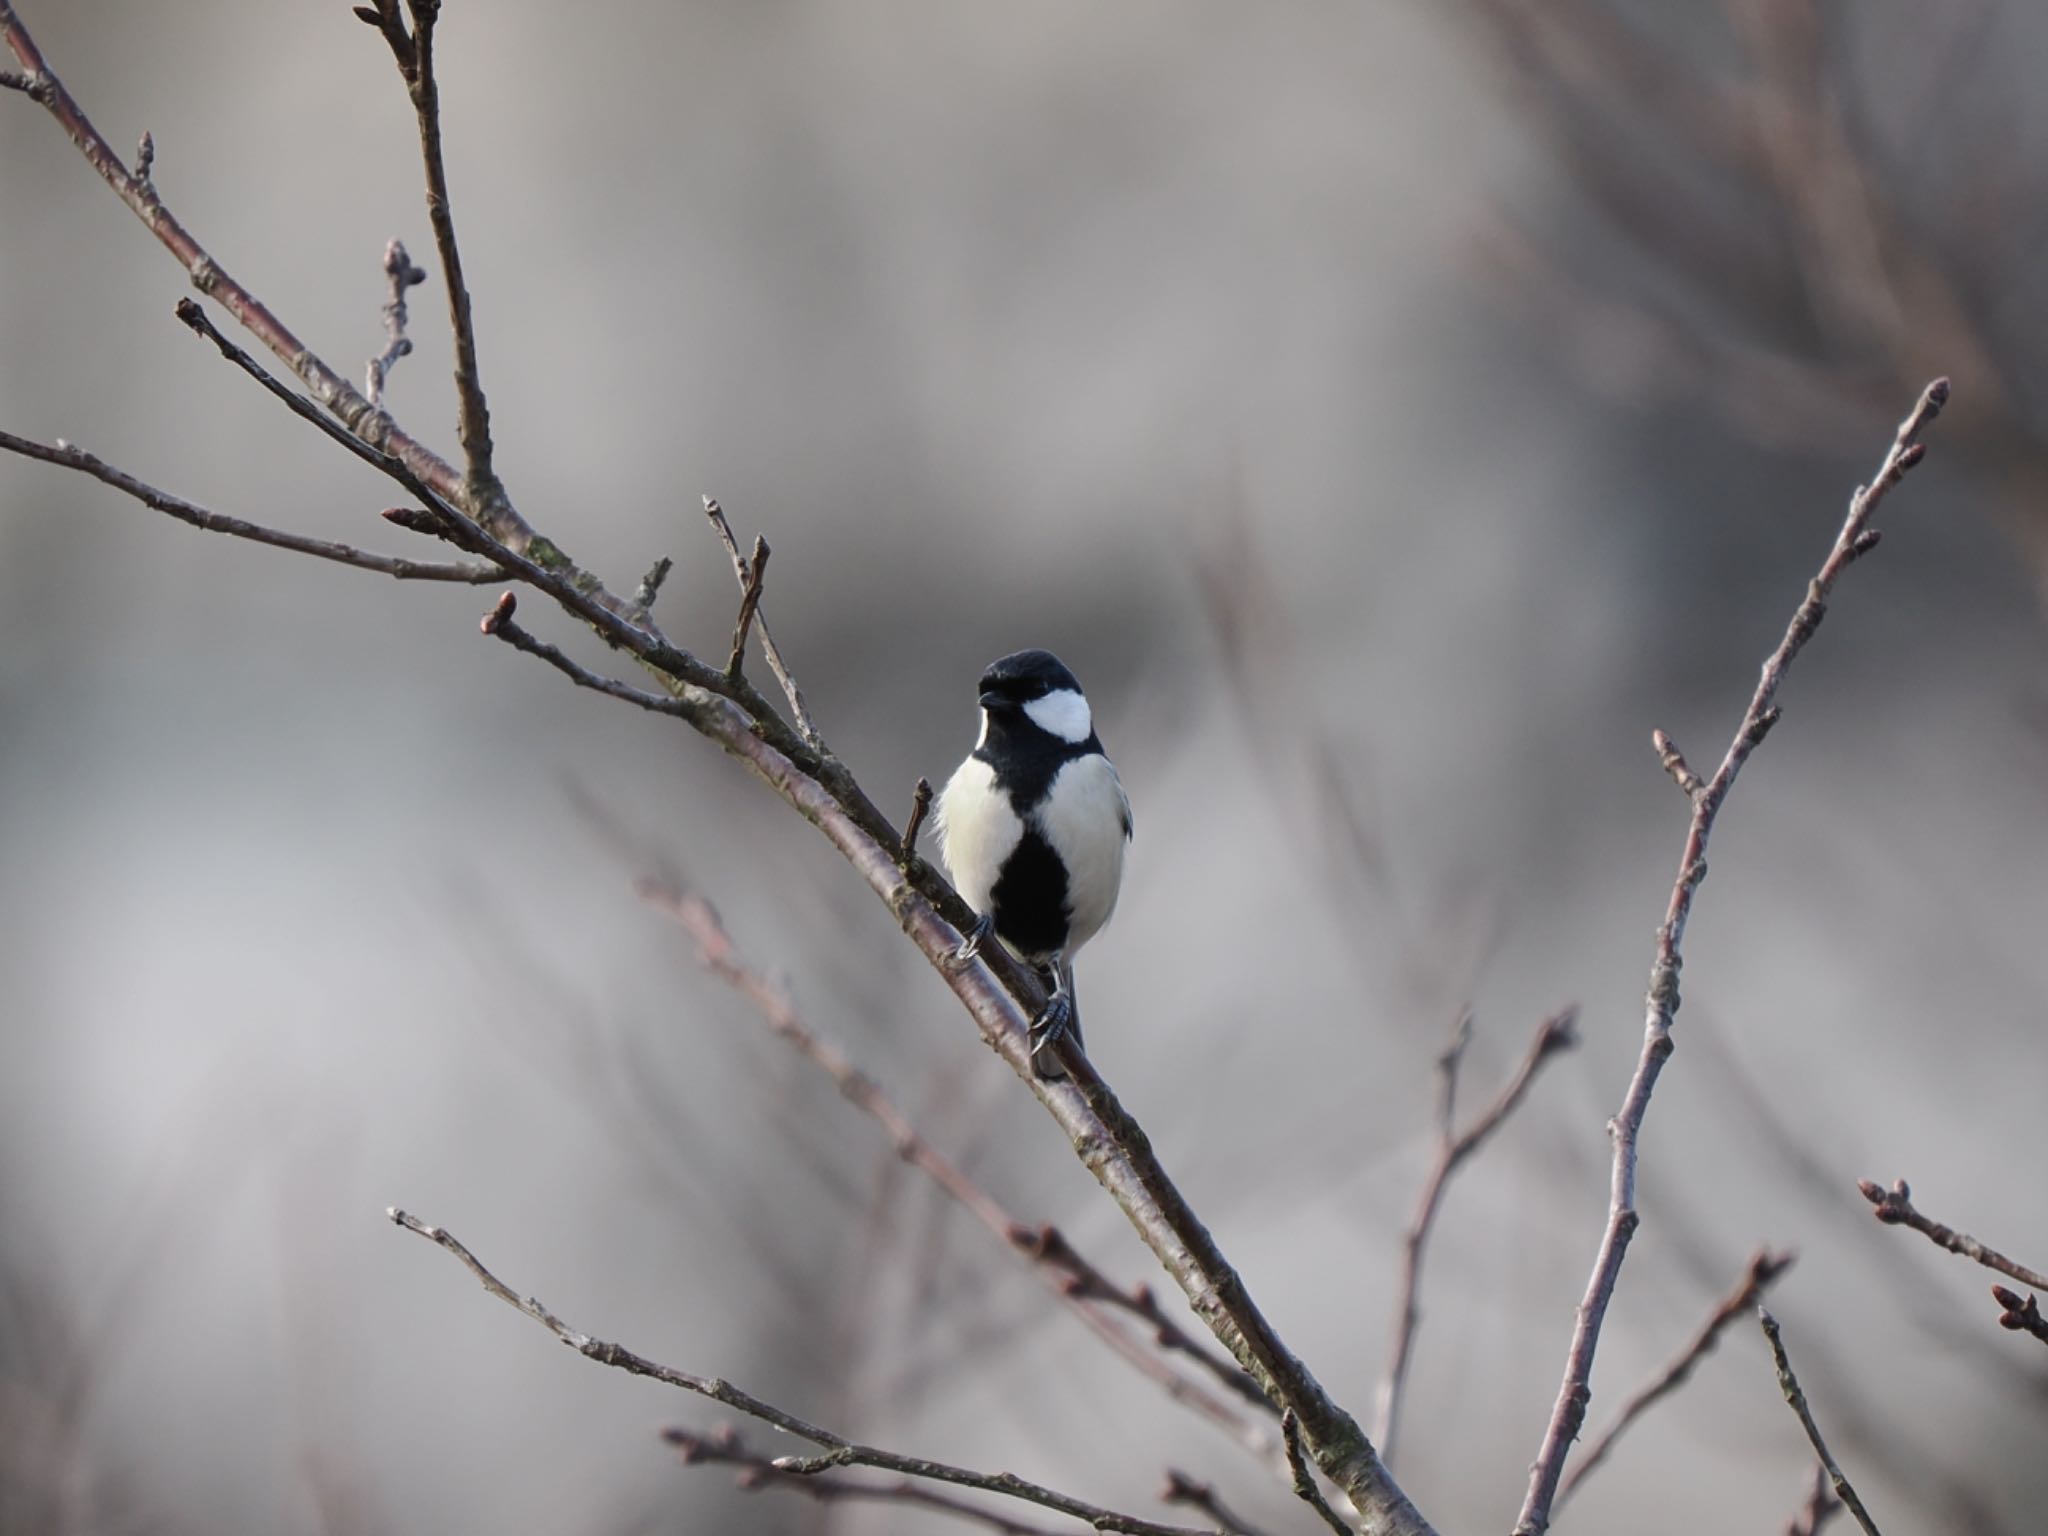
(1033, 827)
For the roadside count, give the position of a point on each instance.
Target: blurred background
(1392, 412)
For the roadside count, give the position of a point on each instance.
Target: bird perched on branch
(1033, 827)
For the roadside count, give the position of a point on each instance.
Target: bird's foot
(969, 947)
(1052, 1025)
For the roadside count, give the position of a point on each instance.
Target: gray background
(1174, 336)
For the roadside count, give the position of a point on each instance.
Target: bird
(1032, 827)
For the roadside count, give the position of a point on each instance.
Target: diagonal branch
(1764, 1268)
(1895, 1208)
(1555, 1034)
(1192, 1492)
(1788, 1383)
(1855, 539)
(68, 456)
(724, 1447)
(1071, 1277)
(839, 1451)
(499, 625)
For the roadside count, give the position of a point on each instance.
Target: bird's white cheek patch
(977, 830)
(1063, 713)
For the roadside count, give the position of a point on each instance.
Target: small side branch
(1575, 1390)
(1554, 1035)
(748, 577)
(1071, 1277)
(1764, 1269)
(920, 807)
(2022, 1314)
(839, 1452)
(67, 456)
(400, 272)
(414, 55)
(498, 624)
(1192, 1493)
(750, 603)
(1818, 1507)
(1788, 1383)
(1304, 1480)
(724, 1447)
(1895, 1208)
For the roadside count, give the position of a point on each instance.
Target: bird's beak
(994, 701)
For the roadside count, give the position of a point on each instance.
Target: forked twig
(1304, 1480)
(723, 1446)
(1554, 1035)
(838, 1450)
(1764, 1269)
(749, 578)
(1855, 539)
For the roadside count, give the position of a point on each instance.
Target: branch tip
(920, 806)
(501, 613)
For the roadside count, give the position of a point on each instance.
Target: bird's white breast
(977, 830)
(1084, 817)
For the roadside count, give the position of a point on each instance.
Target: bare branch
(1553, 1036)
(1304, 1480)
(799, 711)
(839, 1451)
(1071, 1277)
(483, 493)
(2022, 1314)
(1181, 1489)
(1675, 764)
(402, 274)
(1818, 1507)
(1895, 1209)
(498, 624)
(1788, 1383)
(1568, 1415)
(650, 584)
(920, 807)
(723, 1446)
(67, 456)
(750, 601)
(1764, 1269)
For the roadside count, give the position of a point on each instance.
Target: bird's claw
(970, 946)
(1047, 1031)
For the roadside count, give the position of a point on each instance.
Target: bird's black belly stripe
(1030, 898)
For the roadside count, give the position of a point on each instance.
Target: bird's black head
(1022, 676)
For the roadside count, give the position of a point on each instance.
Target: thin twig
(498, 624)
(1304, 1480)
(67, 456)
(1193, 1493)
(1675, 764)
(650, 584)
(1568, 1414)
(750, 603)
(1895, 1209)
(2022, 1314)
(1071, 1277)
(483, 492)
(1817, 1508)
(839, 1451)
(1789, 1385)
(724, 1447)
(1764, 1269)
(799, 711)
(1554, 1035)
(402, 274)
(920, 807)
